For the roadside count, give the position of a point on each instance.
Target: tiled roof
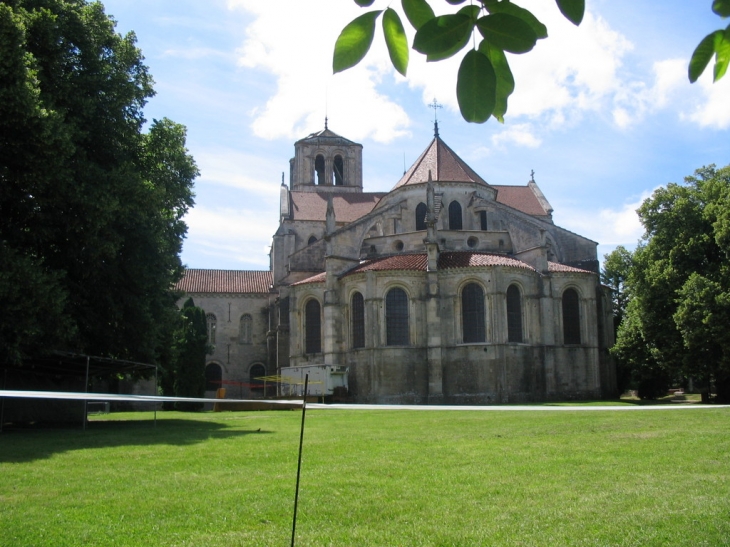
(348, 207)
(555, 267)
(443, 163)
(521, 198)
(225, 281)
(319, 278)
(327, 135)
(454, 260)
(447, 261)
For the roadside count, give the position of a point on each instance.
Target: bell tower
(326, 162)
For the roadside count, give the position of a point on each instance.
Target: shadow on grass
(40, 441)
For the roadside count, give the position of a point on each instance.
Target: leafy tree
(191, 348)
(615, 273)
(484, 81)
(676, 321)
(91, 206)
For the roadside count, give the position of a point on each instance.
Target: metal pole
(86, 390)
(155, 393)
(299, 464)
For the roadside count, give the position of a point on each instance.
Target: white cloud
(297, 49)
(519, 134)
(237, 170)
(619, 226)
(232, 235)
(714, 110)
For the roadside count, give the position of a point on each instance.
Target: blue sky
(603, 113)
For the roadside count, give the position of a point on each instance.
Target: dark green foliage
(191, 347)
(505, 27)
(90, 205)
(676, 321)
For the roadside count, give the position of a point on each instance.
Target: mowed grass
(385, 478)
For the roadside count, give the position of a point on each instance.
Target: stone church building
(447, 289)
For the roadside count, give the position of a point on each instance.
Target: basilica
(445, 290)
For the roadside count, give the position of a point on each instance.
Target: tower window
(358, 320)
(312, 327)
(319, 168)
(211, 323)
(339, 170)
(396, 318)
(472, 314)
(514, 314)
(245, 329)
(421, 212)
(455, 222)
(571, 317)
(483, 220)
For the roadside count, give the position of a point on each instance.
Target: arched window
(312, 327)
(455, 216)
(245, 329)
(483, 220)
(213, 377)
(256, 372)
(396, 318)
(319, 168)
(357, 308)
(211, 322)
(421, 212)
(514, 314)
(571, 317)
(312, 239)
(338, 168)
(472, 313)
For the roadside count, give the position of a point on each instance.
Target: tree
(615, 273)
(484, 81)
(191, 347)
(676, 321)
(91, 205)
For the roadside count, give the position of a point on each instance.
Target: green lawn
(385, 478)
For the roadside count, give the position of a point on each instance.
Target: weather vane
(435, 105)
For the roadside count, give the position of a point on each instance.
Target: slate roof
(521, 198)
(445, 166)
(225, 281)
(348, 207)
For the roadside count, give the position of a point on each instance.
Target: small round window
(398, 245)
(472, 242)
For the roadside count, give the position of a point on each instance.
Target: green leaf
(507, 32)
(721, 7)
(471, 12)
(722, 53)
(522, 13)
(505, 79)
(701, 56)
(443, 33)
(573, 10)
(395, 39)
(364, 3)
(418, 12)
(476, 87)
(354, 41)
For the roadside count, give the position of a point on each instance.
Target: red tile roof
(443, 163)
(455, 260)
(555, 267)
(225, 281)
(348, 207)
(319, 278)
(521, 198)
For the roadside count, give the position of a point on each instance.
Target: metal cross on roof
(435, 105)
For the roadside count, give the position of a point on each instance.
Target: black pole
(299, 465)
